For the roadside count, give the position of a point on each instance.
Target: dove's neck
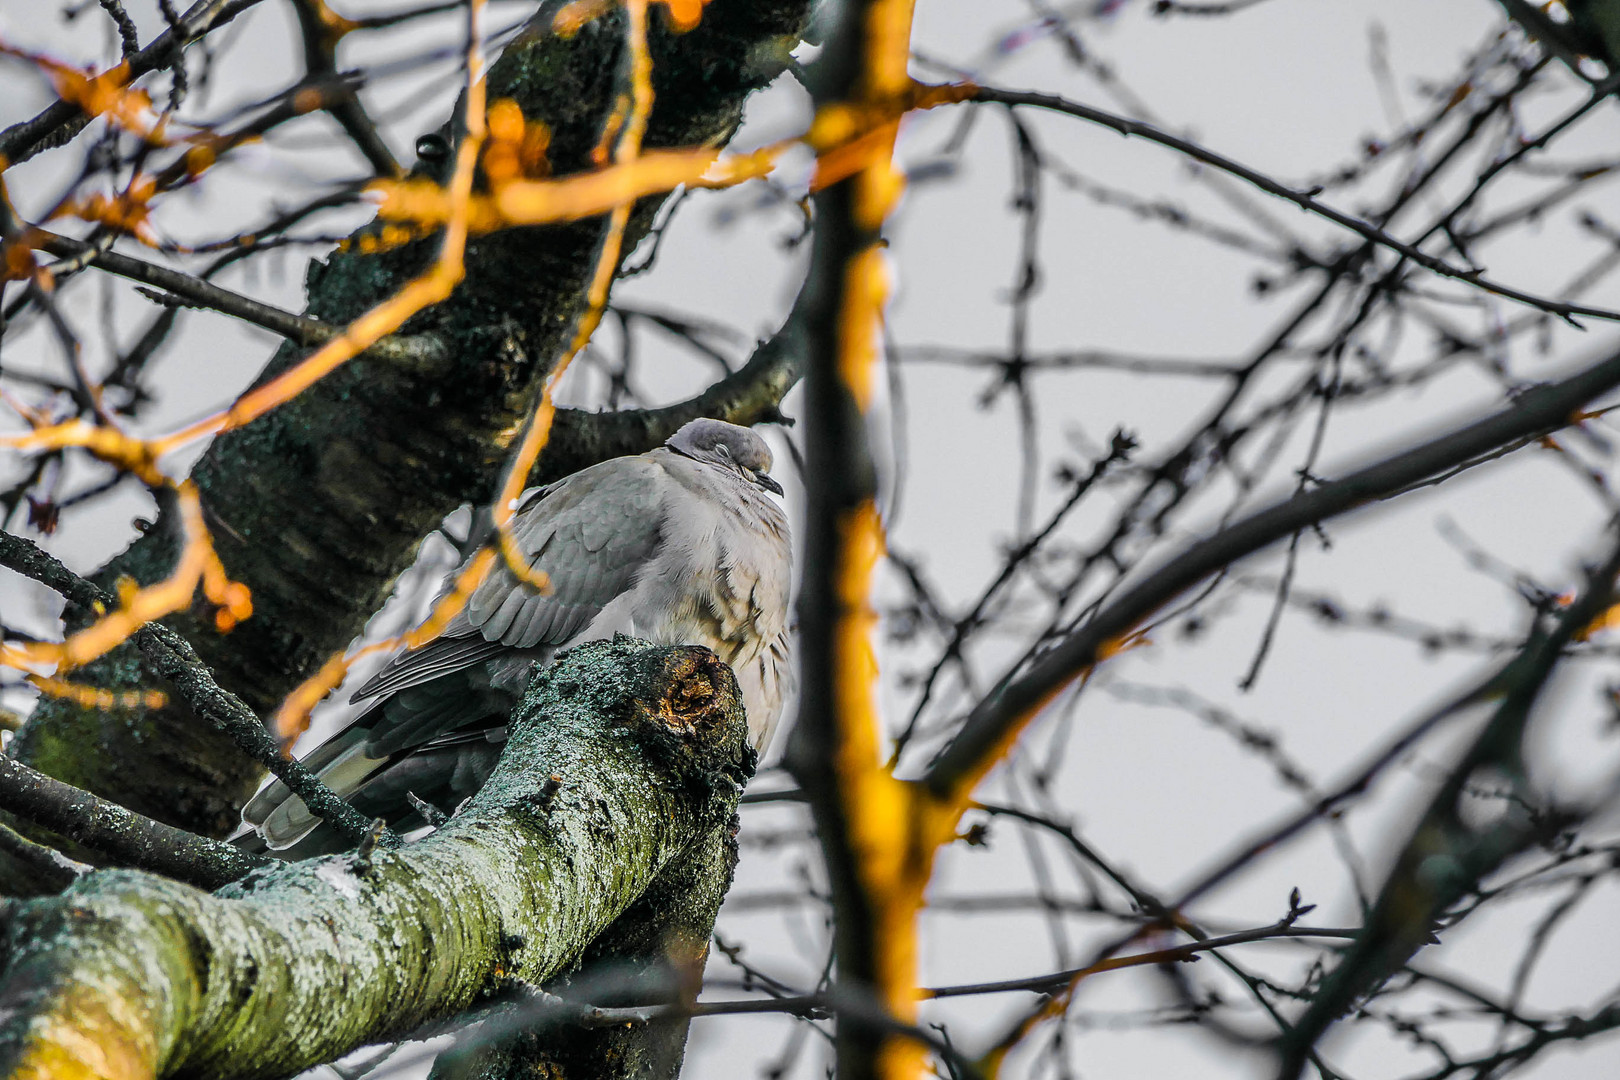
(723, 489)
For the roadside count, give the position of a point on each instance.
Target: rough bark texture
(320, 505)
(653, 955)
(133, 975)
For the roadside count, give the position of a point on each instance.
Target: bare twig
(1305, 200)
(125, 836)
(1541, 410)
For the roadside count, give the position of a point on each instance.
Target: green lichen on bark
(652, 955)
(129, 974)
(320, 505)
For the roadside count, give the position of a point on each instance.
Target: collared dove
(680, 546)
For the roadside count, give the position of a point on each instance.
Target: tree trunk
(616, 793)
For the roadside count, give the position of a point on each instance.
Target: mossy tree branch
(650, 961)
(131, 975)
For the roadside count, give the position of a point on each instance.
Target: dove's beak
(764, 480)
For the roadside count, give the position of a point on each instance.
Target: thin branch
(418, 349)
(750, 395)
(128, 37)
(61, 120)
(173, 658)
(1444, 857)
(1183, 7)
(321, 39)
(130, 838)
(1539, 411)
(1304, 199)
(1056, 980)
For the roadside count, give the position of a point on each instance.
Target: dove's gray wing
(590, 535)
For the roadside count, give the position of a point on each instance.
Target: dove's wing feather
(441, 656)
(589, 535)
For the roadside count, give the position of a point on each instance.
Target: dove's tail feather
(382, 781)
(281, 819)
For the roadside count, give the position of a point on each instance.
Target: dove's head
(727, 446)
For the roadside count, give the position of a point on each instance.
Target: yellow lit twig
(95, 697)
(106, 94)
(197, 566)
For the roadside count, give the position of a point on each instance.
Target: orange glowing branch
(128, 212)
(292, 716)
(572, 17)
(850, 137)
(107, 94)
(849, 140)
(539, 429)
(888, 49)
(95, 697)
(198, 566)
(892, 830)
(104, 441)
(336, 26)
(421, 202)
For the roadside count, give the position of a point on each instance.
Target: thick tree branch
(123, 837)
(131, 975)
(644, 970)
(750, 395)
